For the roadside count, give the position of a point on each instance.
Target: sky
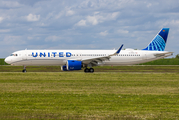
(86, 24)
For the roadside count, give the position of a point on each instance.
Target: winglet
(118, 51)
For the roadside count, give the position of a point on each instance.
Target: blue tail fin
(159, 42)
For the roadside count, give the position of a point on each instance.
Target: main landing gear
(86, 70)
(24, 70)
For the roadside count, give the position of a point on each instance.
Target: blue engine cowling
(64, 68)
(74, 65)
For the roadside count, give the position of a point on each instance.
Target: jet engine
(72, 65)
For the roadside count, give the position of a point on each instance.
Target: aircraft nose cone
(8, 60)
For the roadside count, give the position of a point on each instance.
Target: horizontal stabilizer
(164, 54)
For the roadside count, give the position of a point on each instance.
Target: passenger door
(24, 55)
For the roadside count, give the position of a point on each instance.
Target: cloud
(93, 19)
(81, 23)
(114, 15)
(4, 30)
(13, 40)
(30, 29)
(70, 12)
(29, 38)
(59, 15)
(29, 2)
(1, 19)
(98, 18)
(52, 38)
(9, 4)
(149, 5)
(33, 18)
(122, 31)
(104, 33)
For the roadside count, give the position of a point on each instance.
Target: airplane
(70, 60)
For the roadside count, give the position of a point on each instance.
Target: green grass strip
(89, 96)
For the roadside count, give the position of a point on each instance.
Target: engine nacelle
(73, 65)
(64, 68)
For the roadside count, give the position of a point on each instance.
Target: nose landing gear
(24, 70)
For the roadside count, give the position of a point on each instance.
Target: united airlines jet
(77, 59)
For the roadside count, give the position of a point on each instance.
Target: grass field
(76, 95)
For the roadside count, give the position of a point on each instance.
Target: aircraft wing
(94, 61)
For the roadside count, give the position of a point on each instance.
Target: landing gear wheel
(91, 70)
(24, 71)
(86, 70)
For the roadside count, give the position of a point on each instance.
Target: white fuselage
(60, 57)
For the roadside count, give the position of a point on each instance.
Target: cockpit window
(14, 55)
